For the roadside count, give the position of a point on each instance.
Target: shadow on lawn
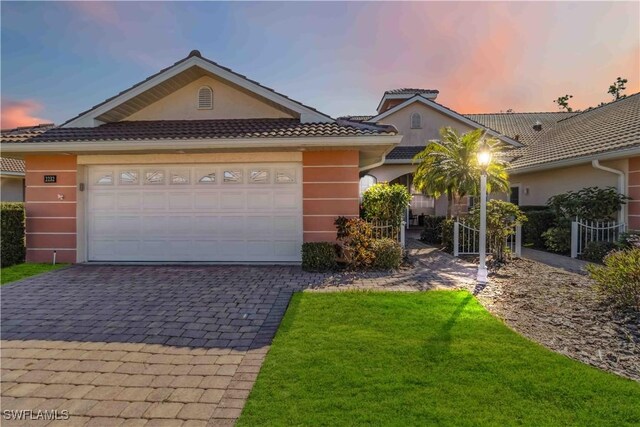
(437, 347)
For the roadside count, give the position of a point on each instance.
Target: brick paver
(163, 345)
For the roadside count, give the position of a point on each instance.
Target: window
(179, 177)
(259, 176)
(205, 98)
(154, 177)
(105, 179)
(209, 178)
(514, 195)
(232, 177)
(416, 121)
(367, 181)
(285, 176)
(129, 177)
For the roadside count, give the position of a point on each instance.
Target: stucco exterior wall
(432, 121)
(51, 208)
(330, 189)
(634, 193)
(537, 187)
(228, 103)
(12, 189)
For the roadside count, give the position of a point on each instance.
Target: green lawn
(434, 358)
(22, 271)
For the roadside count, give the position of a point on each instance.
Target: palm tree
(449, 166)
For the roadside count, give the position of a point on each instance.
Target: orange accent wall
(330, 189)
(51, 222)
(634, 193)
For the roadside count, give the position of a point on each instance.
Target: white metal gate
(466, 240)
(585, 232)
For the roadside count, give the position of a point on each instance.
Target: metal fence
(585, 232)
(466, 240)
(387, 230)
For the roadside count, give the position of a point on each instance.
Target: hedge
(538, 221)
(12, 233)
(319, 256)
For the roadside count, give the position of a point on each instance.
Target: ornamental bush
(447, 234)
(355, 238)
(538, 221)
(502, 217)
(558, 239)
(385, 202)
(619, 278)
(12, 233)
(596, 251)
(591, 204)
(432, 232)
(387, 254)
(318, 256)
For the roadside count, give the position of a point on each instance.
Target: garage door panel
(188, 219)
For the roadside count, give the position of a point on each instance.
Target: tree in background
(449, 166)
(563, 103)
(617, 87)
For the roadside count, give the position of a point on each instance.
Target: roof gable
(178, 75)
(446, 111)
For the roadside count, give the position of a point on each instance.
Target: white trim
(51, 249)
(331, 198)
(50, 171)
(188, 144)
(51, 232)
(447, 112)
(307, 114)
(8, 174)
(388, 96)
(332, 166)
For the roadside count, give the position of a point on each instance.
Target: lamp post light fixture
(484, 159)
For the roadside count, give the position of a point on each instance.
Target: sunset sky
(59, 59)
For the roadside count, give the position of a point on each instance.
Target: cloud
(15, 113)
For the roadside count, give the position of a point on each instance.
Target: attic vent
(205, 98)
(416, 121)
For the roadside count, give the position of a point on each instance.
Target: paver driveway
(141, 345)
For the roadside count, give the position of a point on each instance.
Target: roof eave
(574, 161)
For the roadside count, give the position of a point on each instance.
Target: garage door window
(154, 177)
(129, 177)
(232, 176)
(179, 177)
(209, 178)
(259, 176)
(105, 179)
(285, 176)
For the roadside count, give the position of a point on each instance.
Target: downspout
(596, 164)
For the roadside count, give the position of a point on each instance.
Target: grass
(434, 358)
(22, 271)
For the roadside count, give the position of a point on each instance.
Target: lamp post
(484, 159)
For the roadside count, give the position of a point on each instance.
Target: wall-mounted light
(526, 191)
(81, 186)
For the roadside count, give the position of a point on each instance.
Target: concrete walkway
(554, 260)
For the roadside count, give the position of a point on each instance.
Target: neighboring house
(12, 170)
(553, 152)
(195, 163)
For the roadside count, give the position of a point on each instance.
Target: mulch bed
(562, 311)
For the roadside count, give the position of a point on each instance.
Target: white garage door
(217, 212)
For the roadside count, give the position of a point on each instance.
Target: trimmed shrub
(558, 239)
(619, 278)
(318, 256)
(386, 202)
(447, 234)
(596, 251)
(355, 237)
(538, 221)
(629, 239)
(387, 253)
(12, 233)
(432, 232)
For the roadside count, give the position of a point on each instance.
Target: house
(553, 152)
(12, 170)
(194, 163)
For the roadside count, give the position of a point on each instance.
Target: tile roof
(210, 129)
(611, 127)
(19, 134)
(519, 126)
(409, 91)
(356, 118)
(193, 53)
(404, 152)
(11, 165)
